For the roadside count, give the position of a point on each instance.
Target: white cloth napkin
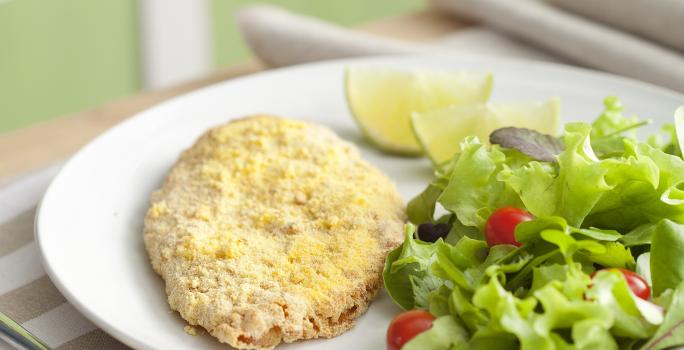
(577, 38)
(281, 38)
(659, 20)
(533, 30)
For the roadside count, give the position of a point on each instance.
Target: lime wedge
(440, 132)
(382, 100)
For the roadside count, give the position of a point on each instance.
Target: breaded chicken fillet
(270, 230)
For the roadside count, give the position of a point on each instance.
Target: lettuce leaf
(422, 208)
(667, 256)
(445, 332)
(609, 129)
(679, 129)
(473, 191)
(605, 200)
(671, 331)
(465, 284)
(612, 121)
(569, 190)
(646, 188)
(610, 290)
(406, 271)
(640, 235)
(538, 321)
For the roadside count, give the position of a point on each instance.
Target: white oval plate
(89, 223)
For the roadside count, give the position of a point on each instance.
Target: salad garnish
(574, 242)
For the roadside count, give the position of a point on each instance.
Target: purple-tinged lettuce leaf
(530, 142)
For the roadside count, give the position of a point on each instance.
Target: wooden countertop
(41, 144)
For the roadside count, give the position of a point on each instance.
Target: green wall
(228, 47)
(62, 56)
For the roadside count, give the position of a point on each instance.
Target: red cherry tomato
(406, 326)
(636, 283)
(500, 227)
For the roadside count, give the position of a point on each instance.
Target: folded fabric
(577, 38)
(659, 20)
(485, 41)
(279, 38)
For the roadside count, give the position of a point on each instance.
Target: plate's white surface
(89, 222)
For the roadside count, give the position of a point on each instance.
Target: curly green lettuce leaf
(445, 332)
(610, 129)
(489, 340)
(582, 317)
(675, 131)
(640, 235)
(569, 190)
(529, 231)
(543, 275)
(473, 191)
(667, 256)
(459, 230)
(590, 334)
(415, 272)
(406, 274)
(631, 320)
(568, 246)
(454, 264)
(671, 331)
(679, 128)
(671, 180)
(511, 314)
(539, 320)
(469, 287)
(422, 207)
(466, 253)
(438, 301)
(460, 304)
(612, 121)
(588, 251)
(646, 188)
(450, 265)
(670, 147)
(614, 255)
(423, 288)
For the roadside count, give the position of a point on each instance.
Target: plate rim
(121, 335)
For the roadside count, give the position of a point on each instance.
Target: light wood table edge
(44, 143)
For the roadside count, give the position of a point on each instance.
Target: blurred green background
(62, 56)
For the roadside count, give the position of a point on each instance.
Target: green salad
(539, 243)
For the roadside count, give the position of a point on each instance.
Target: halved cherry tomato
(500, 226)
(406, 326)
(636, 283)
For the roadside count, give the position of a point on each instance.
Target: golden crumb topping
(268, 210)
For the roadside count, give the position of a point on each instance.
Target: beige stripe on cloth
(17, 232)
(59, 325)
(96, 339)
(31, 300)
